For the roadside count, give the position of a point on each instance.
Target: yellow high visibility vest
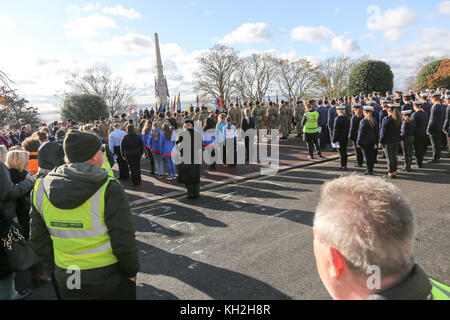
(312, 122)
(439, 290)
(80, 237)
(106, 164)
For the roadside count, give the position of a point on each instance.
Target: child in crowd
(155, 147)
(168, 150)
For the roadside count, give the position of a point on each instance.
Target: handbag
(19, 253)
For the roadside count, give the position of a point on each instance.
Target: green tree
(370, 76)
(426, 73)
(84, 108)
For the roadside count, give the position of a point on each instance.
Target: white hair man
(363, 243)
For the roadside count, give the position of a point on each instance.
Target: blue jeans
(159, 165)
(170, 165)
(7, 287)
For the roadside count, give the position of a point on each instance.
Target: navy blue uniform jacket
(354, 127)
(366, 134)
(389, 132)
(341, 129)
(437, 118)
(421, 122)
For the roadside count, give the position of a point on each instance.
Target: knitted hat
(81, 146)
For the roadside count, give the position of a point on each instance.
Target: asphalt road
(253, 240)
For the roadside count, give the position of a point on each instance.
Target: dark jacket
(383, 114)
(415, 286)
(50, 155)
(390, 133)
(10, 192)
(4, 228)
(408, 129)
(246, 125)
(437, 118)
(23, 203)
(132, 146)
(367, 135)
(421, 123)
(323, 116)
(332, 115)
(189, 173)
(341, 129)
(447, 119)
(68, 187)
(354, 127)
(407, 106)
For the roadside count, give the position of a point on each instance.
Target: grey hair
(3, 152)
(369, 221)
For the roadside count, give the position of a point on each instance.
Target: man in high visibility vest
(364, 233)
(311, 129)
(81, 220)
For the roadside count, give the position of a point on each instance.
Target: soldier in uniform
(291, 117)
(235, 116)
(299, 112)
(259, 116)
(284, 116)
(272, 117)
(179, 119)
(204, 114)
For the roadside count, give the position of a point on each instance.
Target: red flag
(219, 102)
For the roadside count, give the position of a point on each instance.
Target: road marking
(281, 213)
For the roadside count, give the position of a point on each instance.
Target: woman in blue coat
(390, 138)
(340, 135)
(353, 133)
(367, 139)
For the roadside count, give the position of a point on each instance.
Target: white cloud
(444, 7)
(131, 44)
(311, 34)
(208, 12)
(337, 10)
(247, 33)
(345, 45)
(118, 10)
(89, 26)
(434, 34)
(393, 34)
(5, 21)
(92, 6)
(390, 19)
(369, 36)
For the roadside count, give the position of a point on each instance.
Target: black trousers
(149, 156)
(391, 151)
(369, 154)
(420, 147)
(408, 145)
(135, 167)
(323, 137)
(343, 153)
(124, 173)
(436, 144)
(247, 148)
(126, 291)
(359, 154)
(312, 141)
(444, 140)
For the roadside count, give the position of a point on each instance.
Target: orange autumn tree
(441, 78)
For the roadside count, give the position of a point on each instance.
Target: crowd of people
(67, 165)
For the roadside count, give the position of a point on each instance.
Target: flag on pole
(277, 98)
(269, 98)
(179, 102)
(167, 88)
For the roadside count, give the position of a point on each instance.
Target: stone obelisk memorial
(161, 88)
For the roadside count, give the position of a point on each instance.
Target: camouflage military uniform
(235, 115)
(299, 112)
(283, 114)
(291, 118)
(259, 116)
(203, 116)
(180, 121)
(272, 118)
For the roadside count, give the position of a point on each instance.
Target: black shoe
(322, 157)
(366, 173)
(432, 161)
(358, 165)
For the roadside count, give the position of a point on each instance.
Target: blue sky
(47, 41)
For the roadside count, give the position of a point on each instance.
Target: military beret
(368, 108)
(357, 105)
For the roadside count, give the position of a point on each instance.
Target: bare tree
(215, 75)
(99, 80)
(332, 75)
(295, 78)
(255, 75)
